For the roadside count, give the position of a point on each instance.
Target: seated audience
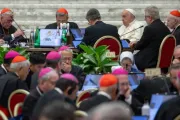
(58, 111)
(5, 66)
(130, 23)
(111, 111)
(108, 91)
(65, 90)
(171, 108)
(7, 31)
(173, 22)
(125, 89)
(37, 62)
(62, 17)
(67, 67)
(46, 81)
(53, 60)
(97, 28)
(151, 39)
(14, 80)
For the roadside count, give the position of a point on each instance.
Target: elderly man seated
(108, 91)
(173, 22)
(14, 80)
(129, 24)
(66, 64)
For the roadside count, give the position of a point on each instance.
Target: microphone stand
(131, 31)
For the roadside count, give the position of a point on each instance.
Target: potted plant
(4, 50)
(94, 62)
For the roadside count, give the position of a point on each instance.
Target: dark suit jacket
(28, 79)
(79, 74)
(30, 103)
(54, 26)
(2, 71)
(9, 83)
(149, 44)
(148, 87)
(100, 29)
(169, 109)
(44, 100)
(90, 103)
(34, 80)
(176, 33)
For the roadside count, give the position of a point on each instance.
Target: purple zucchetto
(62, 48)
(120, 71)
(53, 55)
(44, 71)
(11, 54)
(69, 77)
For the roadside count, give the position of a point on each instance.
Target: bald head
(111, 111)
(127, 17)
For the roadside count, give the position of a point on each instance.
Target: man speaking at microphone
(7, 31)
(62, 17)
(131, 28)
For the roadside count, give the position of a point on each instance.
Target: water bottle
(145, 109)
(64, 38)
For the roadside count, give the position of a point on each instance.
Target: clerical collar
(104, 94)
(58, 90)
(3, 67)
(39, 91)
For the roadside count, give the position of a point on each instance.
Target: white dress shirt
(132, 36)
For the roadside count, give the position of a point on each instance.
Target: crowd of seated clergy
(53, 81)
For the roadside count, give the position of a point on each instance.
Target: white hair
(47, 76)
(152, 11)
(174, 17)
(67, 50)
(15, 66)
(111, 111)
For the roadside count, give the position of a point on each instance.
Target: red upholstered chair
(15, 102)
(3, 116)
(4, 111)
(112, 42)
(84, 95)
(166, 51)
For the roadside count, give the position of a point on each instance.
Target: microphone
(68, 33)
(19, 28)
(132, 30)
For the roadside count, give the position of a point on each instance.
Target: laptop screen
(91, 81)
(77, 34)
(125, 44)
(50, 38)
(135, 78)
(76, 43)
(139, 118)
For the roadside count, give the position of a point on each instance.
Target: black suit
(148, 87)
(79, 74)
(176, 33)
(9, 83)
(28, 79)
(100, 29)
(2, 71)
(149, 44)
(30, 103)
(34, 80)
(90, 103)
(44, 100)
(169, 109)
(72, 25)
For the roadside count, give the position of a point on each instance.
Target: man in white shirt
(129, 24)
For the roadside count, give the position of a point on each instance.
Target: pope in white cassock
(129, 24)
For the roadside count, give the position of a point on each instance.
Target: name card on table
(110, 54)
(150, 72)
(50, 37)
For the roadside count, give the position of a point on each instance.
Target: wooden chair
(3, 116)
(177, 118)
(112, 42)
(4, 111)
(84, 95)
(166, 52)
(15, 102)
